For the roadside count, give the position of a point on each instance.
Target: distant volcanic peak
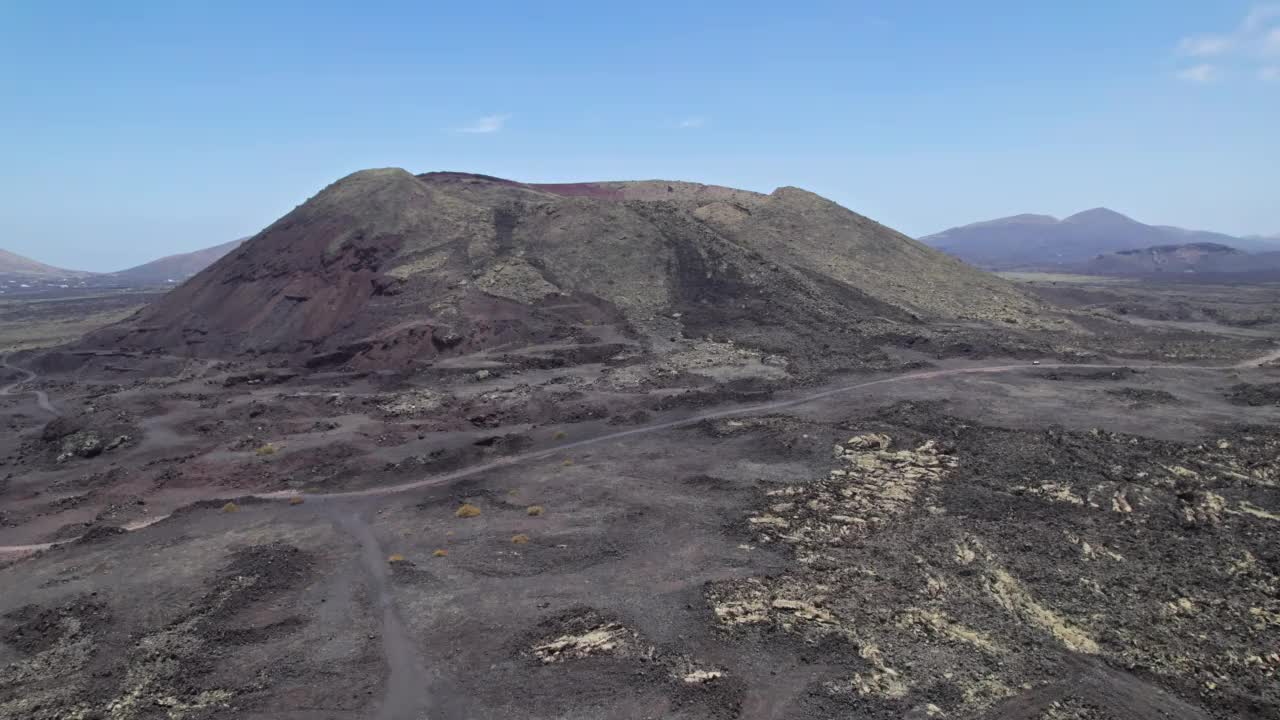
(14, 264)
(1004, 222)
(179, 266)
(1022, 219)
(1098, 216)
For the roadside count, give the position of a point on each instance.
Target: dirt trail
(405, 691)
(42, 398)
(127, 527)
(742, 410)
(404, 697)
(766, 407)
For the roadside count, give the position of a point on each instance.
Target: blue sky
(131, 130)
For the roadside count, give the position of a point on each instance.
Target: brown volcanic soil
(715, 570)
(384, 269)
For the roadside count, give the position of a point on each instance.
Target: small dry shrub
(534, 510)
(467, 510)
(520, 539)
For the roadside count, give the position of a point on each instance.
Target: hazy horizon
(152, 130)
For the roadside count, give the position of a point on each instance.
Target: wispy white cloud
(691, 123)
(1199, 74)
(1246, 48)
(1271, 73)
(486, 124)
(1205, 45)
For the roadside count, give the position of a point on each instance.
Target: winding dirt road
(42, 398)
(405, 694)
(766, 407)
(755, 409)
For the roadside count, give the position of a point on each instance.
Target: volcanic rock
(384, 268)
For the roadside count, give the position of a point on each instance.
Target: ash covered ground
(599, 527)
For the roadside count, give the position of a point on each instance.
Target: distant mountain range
(1041, 242)
(171, 269)
(17, 266)
(175, 268)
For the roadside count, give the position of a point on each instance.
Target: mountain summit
(1100, 216)
(163, 271)
(173, 268)
(1039, 242)
(383, 268)
(13, 265)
